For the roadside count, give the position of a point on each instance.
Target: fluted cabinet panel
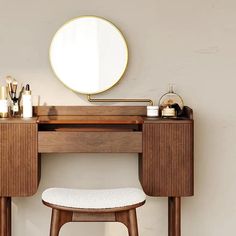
(18, 159)
(166, 166)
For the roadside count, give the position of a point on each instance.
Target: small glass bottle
(171, 104)
(27, 102)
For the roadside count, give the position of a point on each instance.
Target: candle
(152, 111)
(168, 112)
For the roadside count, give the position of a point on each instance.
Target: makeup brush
(9, 84)
(21, 92)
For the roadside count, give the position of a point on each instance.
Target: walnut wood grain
(92, 142)
(5, 216)
(160, 120)
(93, 129)
(166, 166)
(90, 120)
(99, 111)
(174, 216)
(125, 215)
(18, 159)
(93, 217)
(61, 217)
(90, 110)
(18, 120)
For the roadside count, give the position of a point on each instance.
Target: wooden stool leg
(55, 223)
(174, 215)
(129, 219)
(5, 216)
(58, 219)
(9, 216)
(133, 226)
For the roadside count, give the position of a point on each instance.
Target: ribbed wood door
(18, 159)
(166, 166)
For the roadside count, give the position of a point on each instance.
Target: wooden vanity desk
(165, 148)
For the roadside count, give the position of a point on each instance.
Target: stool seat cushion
(93, 198)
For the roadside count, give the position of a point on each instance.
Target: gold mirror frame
(124, 43)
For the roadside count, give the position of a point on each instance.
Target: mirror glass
(89, 54)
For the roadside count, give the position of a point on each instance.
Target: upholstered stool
(102, 205)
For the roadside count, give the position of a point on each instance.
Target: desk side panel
(166, 165)
(18, 159)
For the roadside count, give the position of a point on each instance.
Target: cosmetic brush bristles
(9, 83)
(9, 80)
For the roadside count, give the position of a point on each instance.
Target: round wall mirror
(89, 54)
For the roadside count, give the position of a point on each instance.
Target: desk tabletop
(18, 120)
(90, 120)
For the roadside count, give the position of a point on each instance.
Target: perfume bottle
(27, 102)
(171, 104)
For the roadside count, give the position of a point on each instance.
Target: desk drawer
(92, 142)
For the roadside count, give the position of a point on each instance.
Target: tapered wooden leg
(55, 223)
(174, 215)
(58, 219)
(133, 227)
(5, 216)
(129, 219)
(8, 216)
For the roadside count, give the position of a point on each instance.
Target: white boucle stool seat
(93, 198)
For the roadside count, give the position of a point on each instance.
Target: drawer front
(91, 142)
(18, 159)
(166, 166)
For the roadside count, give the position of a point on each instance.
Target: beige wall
(188, 42)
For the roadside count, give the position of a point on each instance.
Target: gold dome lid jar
(171, 104)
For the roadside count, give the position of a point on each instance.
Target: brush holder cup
(15, 110)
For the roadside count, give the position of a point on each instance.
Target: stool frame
(125, 215)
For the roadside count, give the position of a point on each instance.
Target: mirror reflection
(89, 54)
